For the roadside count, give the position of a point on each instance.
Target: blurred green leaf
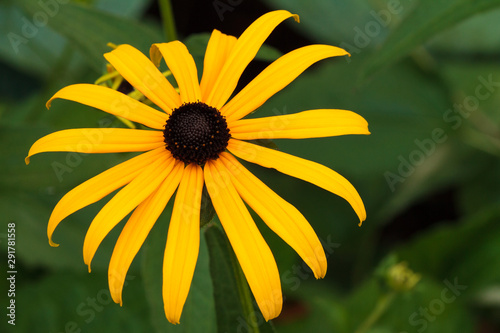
(327, 21)
(90, 30)
(66, 302)
(227, 300)
(207, 210)
(474, 35)
(198, 314)
(428, 19)
(228, 303)
(26, 47)
(465, 250)
(481, 192)
(412, 311)
(29, 193)
(129, 8)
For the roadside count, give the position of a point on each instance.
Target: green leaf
(29, 193)
(429, 18)
(233, 301)
(475, 35)
(326, 21)
(70, 302)
(227, 303)
(413, 311)
(198, 314)
(474, 240)
(207, 210)
(130, 8)
(26, 47)
(90, 30)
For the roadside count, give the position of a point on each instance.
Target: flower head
(193, 140)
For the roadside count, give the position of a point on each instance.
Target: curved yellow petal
(98, 187)
(275, 77)
(254, 255)
(124, 202)
(97, 140)
(308, 171)
(141, 73)
(137, 229)
(180, 62)
(218, 49)
(242, 53)
(280, 216)
(306, 124)
(183, 243)
(113, 102)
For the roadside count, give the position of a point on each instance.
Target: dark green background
(428, 174)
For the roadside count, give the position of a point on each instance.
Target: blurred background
(426, 76)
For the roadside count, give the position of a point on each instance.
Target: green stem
(167, 17)
(245, 296)
(383, 302)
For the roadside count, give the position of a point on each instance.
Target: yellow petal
(275, 77)
(137, 229)
(306, 124)
(140, 72)
(183, 243)
(218, 48)
(254, 255)
(124, 202)
(243, 52)
(280, 216)
(180, 62)
(98, 187)
(113, 102)
(308, 171)
(98, 140)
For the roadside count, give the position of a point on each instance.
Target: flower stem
(382, 304)
(245, 297)
(167, 17)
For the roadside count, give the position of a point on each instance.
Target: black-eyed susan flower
(193, 140)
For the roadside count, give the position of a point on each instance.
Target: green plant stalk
(382, 304)
(167, 17)
(245, 296)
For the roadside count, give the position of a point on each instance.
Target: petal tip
(27, 160)
(296, 18)
(116, 295)
(155, 55)
(172, 320)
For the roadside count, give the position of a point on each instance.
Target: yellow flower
(194, 141)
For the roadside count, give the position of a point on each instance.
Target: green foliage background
(432, 199)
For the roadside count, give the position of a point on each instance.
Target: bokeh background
(426, 76)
